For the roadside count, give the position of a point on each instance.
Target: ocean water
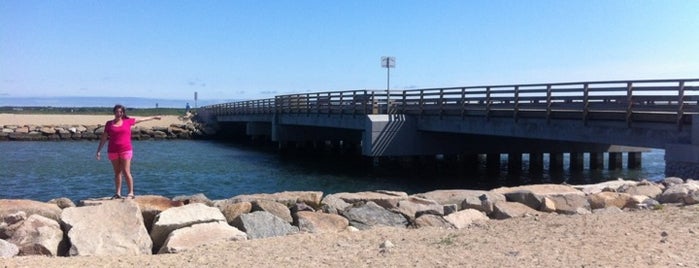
(46, 170)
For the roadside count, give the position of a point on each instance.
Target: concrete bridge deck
(555, 118)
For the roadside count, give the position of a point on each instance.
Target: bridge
(554, 118)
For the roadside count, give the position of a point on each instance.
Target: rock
(609, 199)
(311, 198)
(525, 197)
(190, 199)
(10, 223)
(691, 198)
(505, 210)
(273, 207)
(314, 222)
(385, 199)
(366, 216)
(570, 203)
(649, 190)
(233, 210)
(676, 193)
(333, 204)
(669, 181)
(10, 206)
(413, 205)
(62, 202)
(547, 205)
(468, 198)
(152, 205)
(541, 189)
(112, 228)
(7, 249)
(464, 218)
(189, 237)
(261, 224)
(38, 235)
(180, 217)
(429, 220)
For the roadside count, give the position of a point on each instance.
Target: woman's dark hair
(123, 109)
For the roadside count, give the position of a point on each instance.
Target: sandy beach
(67, 119)
(668, 237)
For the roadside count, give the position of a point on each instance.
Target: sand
(668, 237)
(66, 119)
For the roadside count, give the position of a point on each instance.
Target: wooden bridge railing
(630, 101)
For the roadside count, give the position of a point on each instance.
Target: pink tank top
(119, 136)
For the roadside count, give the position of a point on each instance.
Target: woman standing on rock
(120, 151)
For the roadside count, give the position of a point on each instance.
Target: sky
(257, 49)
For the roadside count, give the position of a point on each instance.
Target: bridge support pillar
(615, 161)
(577, 161)
(596, 161)
(470, 161)
(492, 162)
(514, 163)
(555, 161)
(634, 160)
(536, 162)
(682, 160)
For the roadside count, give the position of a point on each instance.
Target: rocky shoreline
(155, 224)
(92, 132)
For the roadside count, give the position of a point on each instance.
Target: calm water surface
(45, 170)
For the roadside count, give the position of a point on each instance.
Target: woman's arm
(144, 119)
(103, 140)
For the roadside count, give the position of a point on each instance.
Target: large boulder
(429, 220)
(288, 198)
(315, 222)
(506, 210)
(368, 215)
(605, 186)
(609, 199)
(677, 193)
(570, 204)
(189, 237)
(261, 224)
(413, 206)
(464, 218)
(232, 210)
(11, 206)
(386, 199)
(112, 228)
(470, 198)
(333, 204)
(273, 207)
(180, 217)
(38, 235)
(541, 189)
(152, 205)
(648, 189)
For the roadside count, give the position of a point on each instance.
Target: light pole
(388, 63)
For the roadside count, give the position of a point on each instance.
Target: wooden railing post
(515, 110)
(629, 106)
(680, 105)
(586, 102)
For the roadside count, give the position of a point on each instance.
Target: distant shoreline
(79, 119)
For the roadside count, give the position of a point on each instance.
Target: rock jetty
(92, 132)
(152, 224)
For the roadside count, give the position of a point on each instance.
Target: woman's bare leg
(117, 166)
(126, 167)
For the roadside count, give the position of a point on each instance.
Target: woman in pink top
(119, 150)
